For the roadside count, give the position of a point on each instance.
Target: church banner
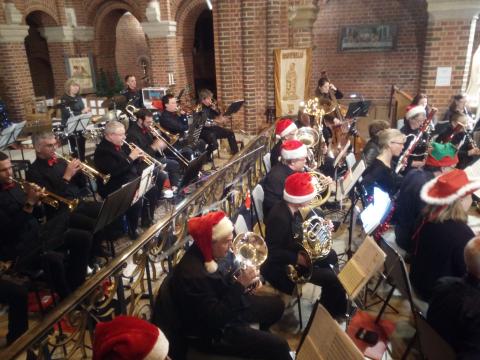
(292, 79)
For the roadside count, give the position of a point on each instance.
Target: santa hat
(207, 229)
(449, 187)
(157, 104)
(129, 338)
(284, 127)
(442, 155)
(293, 149)
(414, 110)
(299, 188)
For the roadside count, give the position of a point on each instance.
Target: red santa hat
(293, 149)
(414, 110)
(284, 127)
(449, 187)
(207, 229)
(157, 104)
(129, 338)
(299, 188)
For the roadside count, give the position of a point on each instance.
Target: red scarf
(52, 161)
(8, 186)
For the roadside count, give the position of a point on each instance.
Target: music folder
(358, 109)
(233, 107)
(10, 134)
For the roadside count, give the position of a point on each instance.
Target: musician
(131, 93)
(325, 90)
(72, 105)
(113, 157)
(454, 310)
(60, 251)
(285, 130)
(280, 226)
(380, 172)
(210, 133)
(440, 239)
(414, 118)
(303, 120)
(372, 149)
(215, 309)
(294, 158)
(421, 99)
(459, 106)
(456, 133)
(441, 159)
(139, 134)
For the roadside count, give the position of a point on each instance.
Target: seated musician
(113, 157)
(217, 130)
(285, 130)
(414, 118)
(441, 159)
(456, 132)
(294, 158)
(60, 251)
(131, 93)
(422, 100)
(215, 310)
(72, 106)
(440, 238)
(454, 310)
(459, 106)
(380, 173)
(371, 149)
(283, 248)
(139, 133)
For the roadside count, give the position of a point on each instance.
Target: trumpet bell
(250, 249)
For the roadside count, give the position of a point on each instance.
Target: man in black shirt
(215, 127)
(454, 310)
(131, 93)
(283, 234)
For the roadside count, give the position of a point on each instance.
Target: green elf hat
(442, 155)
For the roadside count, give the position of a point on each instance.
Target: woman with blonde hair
(440, 238)
(380, 172)
(72, 105)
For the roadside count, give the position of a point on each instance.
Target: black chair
(432, 345)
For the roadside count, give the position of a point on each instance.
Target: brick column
(64, 41)
(161, 37)
(301, 19)
(448, 45)
(14, 71)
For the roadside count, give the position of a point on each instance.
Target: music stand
(376, 212)
(10, 134)
(146, 183)
(358, 109)
(232, 109)
(116, 204)
(193, 169)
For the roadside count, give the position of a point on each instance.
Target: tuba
(316, 244)
(250, 250)
(308, 136)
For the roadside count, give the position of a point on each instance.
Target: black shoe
(133, 234)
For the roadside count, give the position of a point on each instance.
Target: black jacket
(370, 151)
(173, 123)
(276, 153)
(116, 163)
(378, 174)
(454, 312)
(133, 97)
(439, 253)
(273, 185)
(208, 302)
(76, 105)
(418, 153)
(140, 137)
(462, 141)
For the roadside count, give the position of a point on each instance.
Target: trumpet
(146, 158)
(48, 197)
(89, 171)
(157, 134)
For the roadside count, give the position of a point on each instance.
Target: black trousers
(73, 140)
(243, 341)
(174, 172)
(211, 133)
(16, 297)
(333, 296)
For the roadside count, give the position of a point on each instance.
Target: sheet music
(473, 171)
(341, 154)
(145, 183)
(346, 183)
(366, 262)
(327, 341)
(10, 134)
(78, 122)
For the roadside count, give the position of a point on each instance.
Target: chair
(258, 196)
(432, 345)
(266, 162)
(37, 114)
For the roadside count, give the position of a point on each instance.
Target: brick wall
(130, 46)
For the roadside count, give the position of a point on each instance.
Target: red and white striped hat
(284, 127)
(299, 188)
(413, 111)
(293, 149)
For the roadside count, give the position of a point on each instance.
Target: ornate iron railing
(66, 331)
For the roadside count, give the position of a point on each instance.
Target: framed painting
(81, 69)
(376, 37)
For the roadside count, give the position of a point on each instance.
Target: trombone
(175, 152)
(146, 158)
(173, 137)
(48, 197)
(89, 171)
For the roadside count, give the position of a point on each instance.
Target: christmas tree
(117, 83)
(102, 84)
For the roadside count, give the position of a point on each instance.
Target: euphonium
(48, 197)
(89, 171)
(250, 250)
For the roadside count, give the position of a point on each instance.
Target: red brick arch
(186, 15)
(95, 8)
(48, 10)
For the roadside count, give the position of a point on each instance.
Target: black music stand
(116, 204)
(194, 167)
(358, 109)
(75, 125)
(10, 134)
(232, 109)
